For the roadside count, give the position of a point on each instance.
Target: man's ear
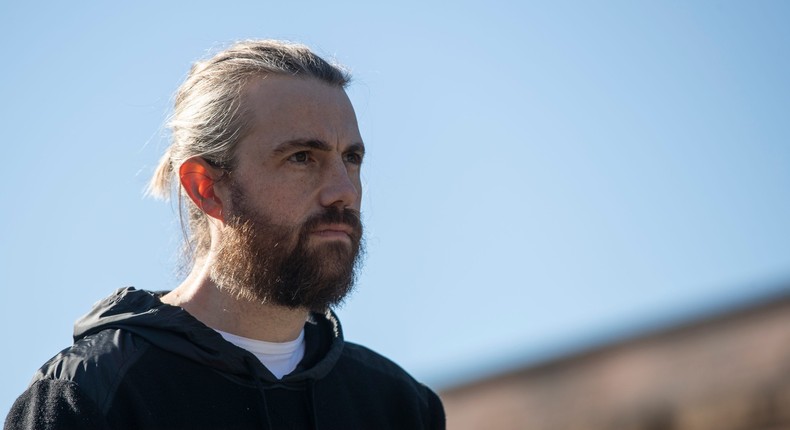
(198, 179)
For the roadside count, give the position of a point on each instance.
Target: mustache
(348, 217)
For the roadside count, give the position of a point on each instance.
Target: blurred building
(730, 371)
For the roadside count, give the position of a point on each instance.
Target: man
(266, 157)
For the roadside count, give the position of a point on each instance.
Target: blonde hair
(209, 118)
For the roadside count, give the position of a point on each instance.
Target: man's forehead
(283, 109)
(279, 90)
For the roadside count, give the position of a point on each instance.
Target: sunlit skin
(303, 154)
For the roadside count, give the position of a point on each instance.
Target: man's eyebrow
(316, 144)
(358, 147)
(294, 144)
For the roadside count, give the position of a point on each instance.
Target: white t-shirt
(280, 358)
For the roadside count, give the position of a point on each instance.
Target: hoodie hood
(173, 329)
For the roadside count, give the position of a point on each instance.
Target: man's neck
(223, 311)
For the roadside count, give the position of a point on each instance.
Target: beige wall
(727, 373)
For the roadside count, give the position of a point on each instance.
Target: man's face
(292, 234)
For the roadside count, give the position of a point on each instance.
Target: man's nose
(340, 186)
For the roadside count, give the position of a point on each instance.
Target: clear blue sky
(539, 175)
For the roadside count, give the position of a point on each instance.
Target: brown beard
(258, 260)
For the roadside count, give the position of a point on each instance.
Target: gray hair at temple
(209, 117)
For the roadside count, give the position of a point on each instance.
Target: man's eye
(299, 157)
(354, 158)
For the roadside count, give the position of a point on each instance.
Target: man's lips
(334, 231)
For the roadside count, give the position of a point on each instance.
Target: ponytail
(162, 181)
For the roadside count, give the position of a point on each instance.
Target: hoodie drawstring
(311, 396)
(265, 418)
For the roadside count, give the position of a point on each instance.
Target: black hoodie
(138, 363)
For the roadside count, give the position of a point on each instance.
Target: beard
(258, 260)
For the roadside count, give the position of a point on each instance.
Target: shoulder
(365, 358)
(364, 366)
(52, 403)
(74, 388)
(95, 363)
